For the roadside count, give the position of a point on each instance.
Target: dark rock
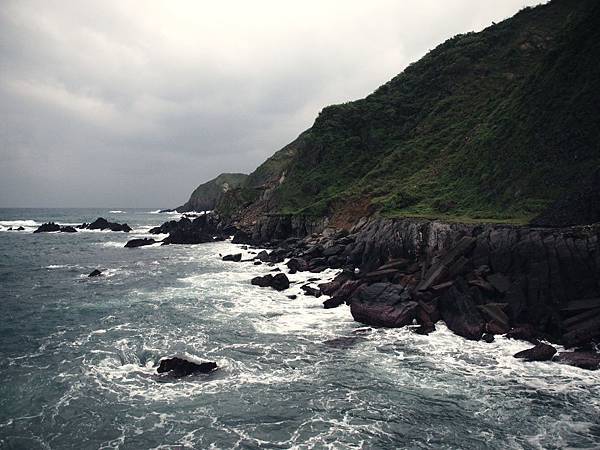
(292, 297)
(487, 337)
(166, 227)
(331, 287)
(263, 256)
(265, 281)
(459, 312)
(20, 229)
(333, 302)
(235, 258)
(499, 282)
(383, 304)
(311, 291)
(276, 269)
(48, 228)
(179, 367)
(333, 251)
(541, 352)
(68, 229)
(257, 263)
(524, 332)
(583, 360)
(424, 329)
(102, 224)
(133, 243)
(95, 273)
(280, 282)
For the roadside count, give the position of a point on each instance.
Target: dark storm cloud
(122, 103)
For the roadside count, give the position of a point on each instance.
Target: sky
(121, 103)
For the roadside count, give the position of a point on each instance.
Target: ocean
(79, 356)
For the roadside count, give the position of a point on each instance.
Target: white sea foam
(19, 223)
(117, 211)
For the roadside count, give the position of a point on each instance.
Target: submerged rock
(235, 258)
(180, 367)
(583, 360)
(95, 273)
(133, 243)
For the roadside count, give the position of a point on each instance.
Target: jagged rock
(332, 286)
(263, 256)
(167, 227)
(297, 265)
(20, 229)
(257, 263)
(292, 297)
(133, 243)
(235, 258)
(583, 360)
(179, 367)
(498, 321)
(68, 229)
(333, 251)
(541, 352)
(424, 329)
(95, 273)
(102, 224)
(383, 304)
(48, 228)
(311, 291)
(459, 312)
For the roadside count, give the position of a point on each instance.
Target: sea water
(78, 358)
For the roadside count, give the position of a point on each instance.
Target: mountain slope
(206, 196)
(494, 126)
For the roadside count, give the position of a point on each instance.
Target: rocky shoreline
(535, 284)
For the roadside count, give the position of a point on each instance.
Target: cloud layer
(134, 103)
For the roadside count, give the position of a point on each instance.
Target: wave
(19, 223)
(117, 211)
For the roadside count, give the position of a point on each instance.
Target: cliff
(206, 196)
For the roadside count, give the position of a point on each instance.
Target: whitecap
(117, 211)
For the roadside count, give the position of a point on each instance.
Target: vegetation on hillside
(492, 125)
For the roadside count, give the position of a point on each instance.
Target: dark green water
(78, 359)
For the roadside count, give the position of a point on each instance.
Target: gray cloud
(134, 103)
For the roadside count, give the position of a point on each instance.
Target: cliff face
(546, 277)
(491, 126)
(206, 196)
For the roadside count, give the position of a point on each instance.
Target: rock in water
(102, 224)
(460, 313)
(541, 352)
(265, 281)
(280, 282)
(95, 273)
(48, 228)
(139, 242)
(68, 229)
(179, 367)
(235, 258)
(383, 305)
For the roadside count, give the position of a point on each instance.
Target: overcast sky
(119, 103)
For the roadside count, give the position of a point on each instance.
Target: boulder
(297, 265)
(180, 367)
(264, 281)
(95, 273)
(311, 291)
(525, 332)
(235, 258)
(583, 360)
(333, 302)
(133, 243)
(487, 337)
(68, 229)
(48, 228)
(384, 305)
(541, 352)
(459, 312)
(280, 282)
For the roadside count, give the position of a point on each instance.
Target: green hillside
(492, 125)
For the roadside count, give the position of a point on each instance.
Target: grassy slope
(488, 126)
